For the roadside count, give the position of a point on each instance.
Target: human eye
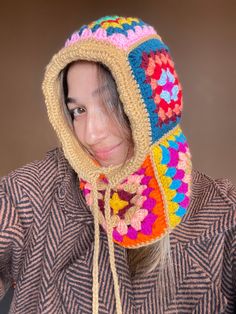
(76, 112)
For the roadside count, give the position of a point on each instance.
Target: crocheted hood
(145, 199)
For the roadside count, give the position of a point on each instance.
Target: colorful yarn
(172, 160)
(121, 32)
(139, 204)
(142, 201)
(136, 207)
(159, 85)
(150, 194)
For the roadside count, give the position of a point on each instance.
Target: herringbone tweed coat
(46, 248)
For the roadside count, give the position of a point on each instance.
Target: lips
(105, 153)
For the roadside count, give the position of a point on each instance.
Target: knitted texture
(138, 205)
(142, 201)
(121, 32)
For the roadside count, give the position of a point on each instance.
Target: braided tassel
(96, 251)
(111, 250)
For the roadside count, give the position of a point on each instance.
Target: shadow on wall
(6, 302)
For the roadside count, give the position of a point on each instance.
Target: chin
(110, 163)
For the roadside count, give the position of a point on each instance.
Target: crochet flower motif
(170, 90)
(165, 87)
(122, 227)
(137, 218)
(117, 204)
(130, 204)
(136, 222)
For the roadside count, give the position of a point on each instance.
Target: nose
(96, 127)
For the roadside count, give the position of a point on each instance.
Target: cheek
(79, 131)
(120, 132)
(114, 128)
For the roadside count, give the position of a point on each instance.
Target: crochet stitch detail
(142, 201)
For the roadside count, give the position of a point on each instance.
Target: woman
(167, 238)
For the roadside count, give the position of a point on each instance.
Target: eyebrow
(71, 100)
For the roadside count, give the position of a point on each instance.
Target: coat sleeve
(230, 191)
(232, 196)
(11, 239)
(229, 270)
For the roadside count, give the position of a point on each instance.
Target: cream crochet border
(117, 61)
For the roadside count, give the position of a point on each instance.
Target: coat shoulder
(207, 188)
(34, 176)
(212, 209)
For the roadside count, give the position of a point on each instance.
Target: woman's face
(94, 126)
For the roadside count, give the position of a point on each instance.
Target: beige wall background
(202, 39)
